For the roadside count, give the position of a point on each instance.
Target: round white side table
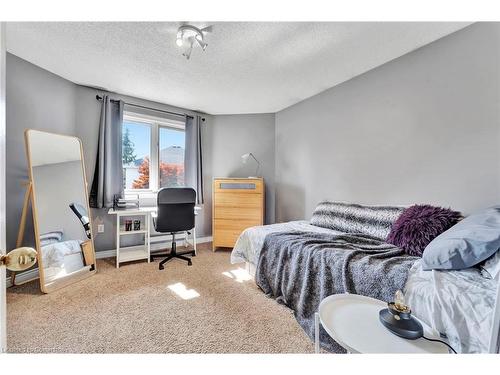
(353, 322)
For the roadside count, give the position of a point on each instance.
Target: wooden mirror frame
(88, 250)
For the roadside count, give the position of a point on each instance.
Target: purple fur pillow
(418, 225)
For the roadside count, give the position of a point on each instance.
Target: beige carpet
(134, 310)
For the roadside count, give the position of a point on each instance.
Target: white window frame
(155, 123)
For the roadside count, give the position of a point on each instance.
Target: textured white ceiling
(248, 67)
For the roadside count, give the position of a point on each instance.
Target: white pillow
(492, 266)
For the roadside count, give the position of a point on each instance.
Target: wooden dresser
(237, 204)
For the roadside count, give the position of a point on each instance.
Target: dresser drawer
(237, 200)
(238, 213)
(226, 232)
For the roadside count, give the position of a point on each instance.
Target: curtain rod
(151, 109)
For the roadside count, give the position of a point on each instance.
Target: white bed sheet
(459, 304)
(71, 263)
(249, 244)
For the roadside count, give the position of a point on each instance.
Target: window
(152, 153)
(171, 157)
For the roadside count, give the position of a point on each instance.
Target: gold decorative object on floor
(19, 259)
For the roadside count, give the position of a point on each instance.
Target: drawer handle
(237, 185)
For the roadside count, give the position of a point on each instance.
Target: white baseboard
(24, 277)
(30, 275)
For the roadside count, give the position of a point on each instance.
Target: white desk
(131, 253)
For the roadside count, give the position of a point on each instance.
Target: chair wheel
(160, 267)
(194, 254)
(190, 263)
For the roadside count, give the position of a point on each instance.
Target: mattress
(458, 304)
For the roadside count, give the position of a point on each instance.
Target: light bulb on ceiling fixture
(187, 53)
(188, 36)
(178, 41)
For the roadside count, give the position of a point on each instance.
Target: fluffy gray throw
(375, 221)
(299, 269)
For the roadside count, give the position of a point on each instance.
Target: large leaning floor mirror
(60, 208)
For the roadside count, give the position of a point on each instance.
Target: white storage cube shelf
(132, 253)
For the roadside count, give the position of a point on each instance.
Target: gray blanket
(299, 269)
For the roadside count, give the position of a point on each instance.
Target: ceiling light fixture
(187, 35)
(179, 38)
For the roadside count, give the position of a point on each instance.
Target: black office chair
(175, 215)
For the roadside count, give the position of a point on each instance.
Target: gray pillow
(466, 244)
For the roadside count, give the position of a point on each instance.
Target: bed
(458, 304)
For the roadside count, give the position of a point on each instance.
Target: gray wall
(226, 138)
(421, 128)
(36, 99)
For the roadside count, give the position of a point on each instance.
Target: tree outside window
(128, 155)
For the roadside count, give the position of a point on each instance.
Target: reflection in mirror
(60, 209)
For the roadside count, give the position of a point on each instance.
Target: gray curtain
(193, 165)
(108, 173)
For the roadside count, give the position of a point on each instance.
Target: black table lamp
(83, 216)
